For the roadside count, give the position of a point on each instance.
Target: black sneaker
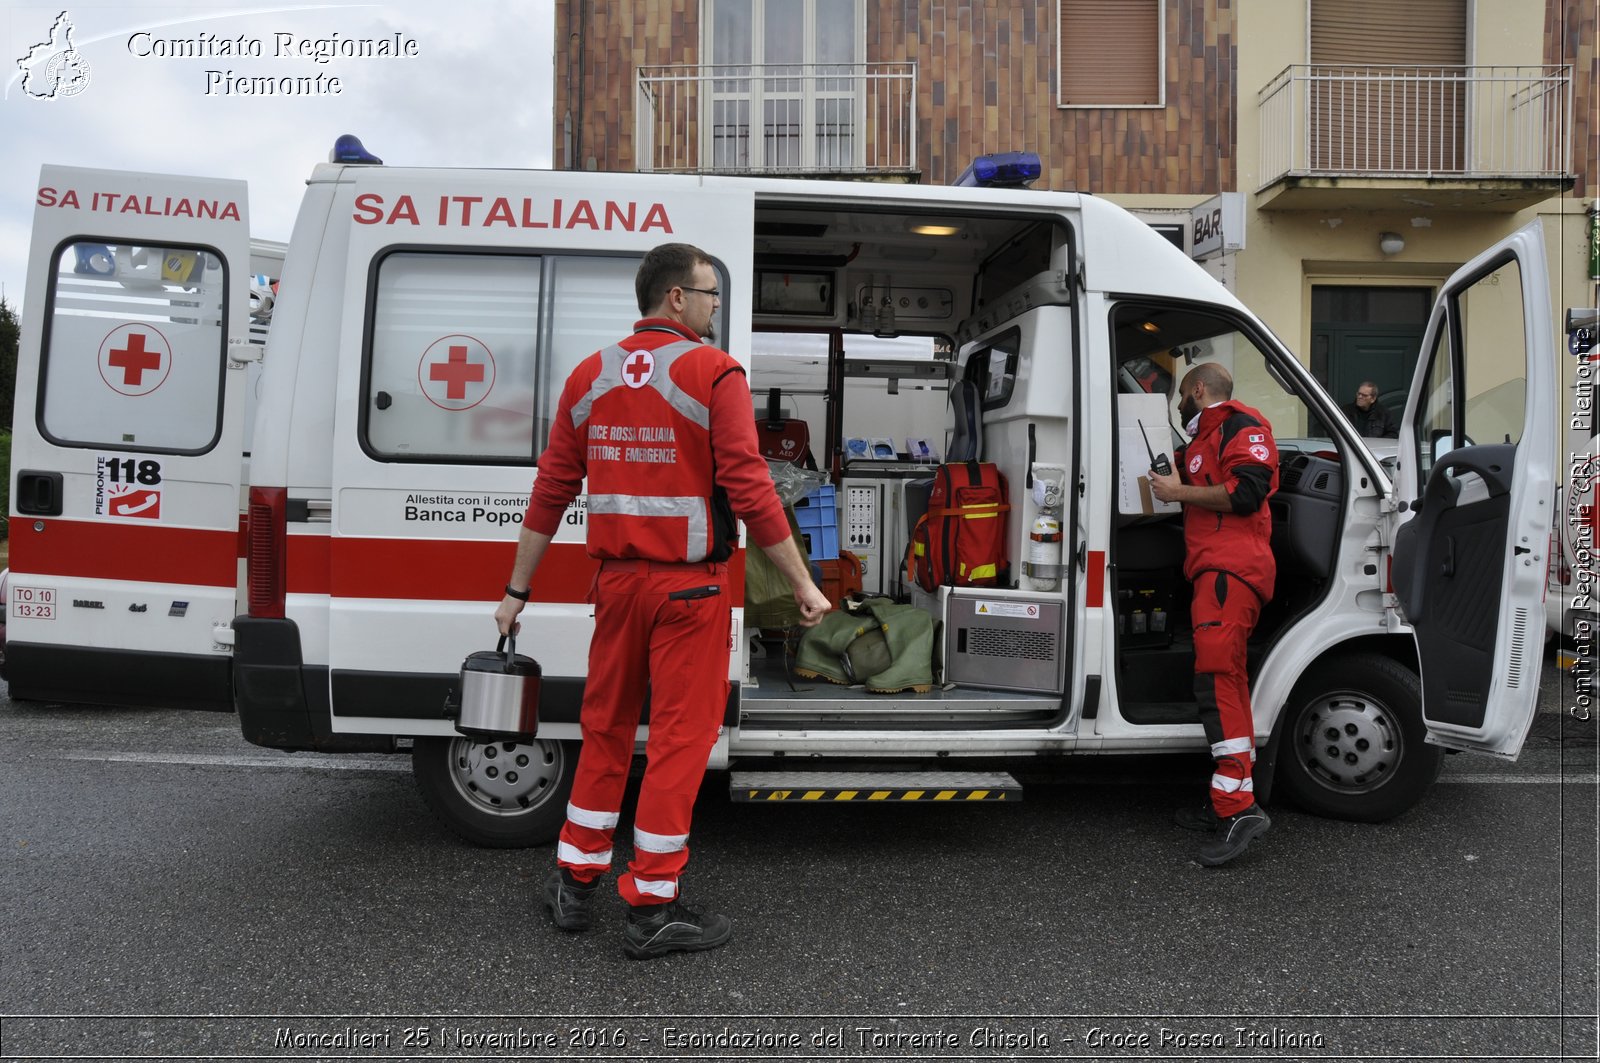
(657, 929)
(569, 900)
(1202, 818)
(1233, 836)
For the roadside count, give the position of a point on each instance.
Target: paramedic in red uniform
(1223, 478)
(663, 426)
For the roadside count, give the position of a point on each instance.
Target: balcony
(791, 119)
(1488, 138)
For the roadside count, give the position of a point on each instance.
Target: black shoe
(1233, 836)
(569, 900)
(1202, 818)
(657, 929)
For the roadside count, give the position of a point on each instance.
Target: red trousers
(660, 629)
(1224, 612)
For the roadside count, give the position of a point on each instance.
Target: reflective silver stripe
(1232, 745)
(573, 855)
(656, 887)
(612, 360)
(688, 407)
(659, 843)
(1228, 786)
(584, 817)
(604, 381)
(694, 509)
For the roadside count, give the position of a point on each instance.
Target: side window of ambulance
(136, 355)
(994, 369)
(469, 352)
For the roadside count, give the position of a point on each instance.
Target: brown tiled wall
(986, 82)
(622, 36)
(1572, 28)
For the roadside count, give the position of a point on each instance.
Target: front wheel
(1351, 744)
(502, 795)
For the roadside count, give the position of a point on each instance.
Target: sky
(476, 91)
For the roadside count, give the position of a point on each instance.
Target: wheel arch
(1401, 649)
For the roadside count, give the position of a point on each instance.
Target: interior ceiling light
(935, 230)
(1150, 326)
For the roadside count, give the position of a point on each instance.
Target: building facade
(1366, 148)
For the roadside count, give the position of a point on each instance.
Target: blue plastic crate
(817, 509)
(820, 543)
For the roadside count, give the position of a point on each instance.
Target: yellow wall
(1288, 251)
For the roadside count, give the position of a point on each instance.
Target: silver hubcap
(1350, 743)
(505, 778)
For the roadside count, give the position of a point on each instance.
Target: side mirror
(1583, 329)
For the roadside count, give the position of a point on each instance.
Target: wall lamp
(1391, 243)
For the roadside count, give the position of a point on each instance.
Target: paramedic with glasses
(663, 427)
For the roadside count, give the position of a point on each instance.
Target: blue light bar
(1006, 169)
(348, 149)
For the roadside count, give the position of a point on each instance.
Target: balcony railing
(792, 118)
(1485, 122)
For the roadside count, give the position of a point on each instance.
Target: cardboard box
(1133, 459)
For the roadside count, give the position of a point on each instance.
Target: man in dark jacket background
(1371, 417)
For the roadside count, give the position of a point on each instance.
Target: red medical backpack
(961, 540)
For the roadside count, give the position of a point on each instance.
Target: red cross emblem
(135, 359)
(638, 368)
(456, 372)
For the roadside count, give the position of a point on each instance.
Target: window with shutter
(1389, 87)
(1110, 53)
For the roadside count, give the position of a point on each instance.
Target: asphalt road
(190, 895)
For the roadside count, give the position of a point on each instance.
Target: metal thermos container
(497, 698)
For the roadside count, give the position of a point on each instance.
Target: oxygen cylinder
(1044, 552)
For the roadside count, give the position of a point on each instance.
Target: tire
(501, 795)
(1351, 742)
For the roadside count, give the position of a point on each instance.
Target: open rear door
(1477, 462)
(127, 439)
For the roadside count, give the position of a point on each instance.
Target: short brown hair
(1217, 379)
(664, 268)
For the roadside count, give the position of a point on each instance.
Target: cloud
(477, 93)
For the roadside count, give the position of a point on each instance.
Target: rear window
(136, 354)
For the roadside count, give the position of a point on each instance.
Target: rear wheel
(1352, 740)
(503, 795)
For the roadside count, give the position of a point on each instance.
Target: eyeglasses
(715, 293)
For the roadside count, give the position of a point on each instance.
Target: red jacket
(663, 428)
(1234, 447)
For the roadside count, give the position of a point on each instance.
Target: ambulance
(138, 387)
(427, 318)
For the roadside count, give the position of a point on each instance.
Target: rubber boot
(909, 633)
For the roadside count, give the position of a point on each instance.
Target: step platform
(831, 786)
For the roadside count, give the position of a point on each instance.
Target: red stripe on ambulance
(448, 570)
(138, 553)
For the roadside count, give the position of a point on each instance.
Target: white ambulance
(131, 444)
(424, 325)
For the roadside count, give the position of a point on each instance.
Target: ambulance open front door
(127, 439)
(1477, 450)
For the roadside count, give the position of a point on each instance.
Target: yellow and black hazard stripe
(907, 793)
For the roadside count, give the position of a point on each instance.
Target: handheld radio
(1158, 462)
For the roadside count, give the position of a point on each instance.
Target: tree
(10, 332)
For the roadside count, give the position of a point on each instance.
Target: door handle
(38, 493)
